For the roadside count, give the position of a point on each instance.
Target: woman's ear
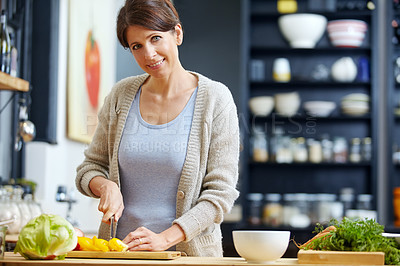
(179, 34)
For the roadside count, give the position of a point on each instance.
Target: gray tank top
(151, 159)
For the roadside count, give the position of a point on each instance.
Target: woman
(164, 158)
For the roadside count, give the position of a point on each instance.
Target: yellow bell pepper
(117, 245)
(86, 244)
(101, 244)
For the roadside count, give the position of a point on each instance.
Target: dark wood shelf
(308, 164)
(265, 50)
(342, 14)
(299, 84)
(300, 118)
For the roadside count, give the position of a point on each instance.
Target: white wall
(54, 165)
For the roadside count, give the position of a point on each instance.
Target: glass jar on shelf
(328, 207)
(284, 152)
(355, 150)
(314, 151)
(273, 210)
(340, 150)
(347, 197)
(327, 149)
(276, 142)
(296, 210)
(365, 206)
(255, 208)
(259, 145)
(22, 205)
(34, 207)
(12, 211)
(366, 149)
(300, 153)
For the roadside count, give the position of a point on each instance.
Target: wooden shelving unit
(8, 82)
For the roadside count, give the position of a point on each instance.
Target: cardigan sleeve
(218, 192)
(96, 162)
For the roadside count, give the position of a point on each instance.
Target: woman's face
(156, 52)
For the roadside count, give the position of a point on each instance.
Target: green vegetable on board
(355, 235)
(47, 237)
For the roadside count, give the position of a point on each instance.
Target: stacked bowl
(319, 108)
(355, 104)
(261, 105)
(302, 30)
(347, 32)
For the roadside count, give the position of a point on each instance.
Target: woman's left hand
(145, 239)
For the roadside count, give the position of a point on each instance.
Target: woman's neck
(172, 85)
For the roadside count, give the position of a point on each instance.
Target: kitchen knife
(113, 228)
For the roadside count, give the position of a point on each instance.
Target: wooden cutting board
(340, 257)
(151, 255)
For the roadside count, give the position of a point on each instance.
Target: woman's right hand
(111, 202)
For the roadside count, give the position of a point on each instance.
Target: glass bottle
(340, 150)
(276, 142)
(315, 151)
(355, 151)
(259, 145)
(22, 205)
(364, 202)
(13, 56)
(347, 197)
(327, 149)
(366, 149)
(300, 153)
(255, 208)
(273, 210)
(34, 207)
(14, 211)
(5, 44)
(284, 151)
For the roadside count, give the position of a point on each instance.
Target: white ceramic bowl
(261, 105)
(261, 246)
(363, 97)
(287, 104)
(319, 108)
(302, 30)
(347, 32)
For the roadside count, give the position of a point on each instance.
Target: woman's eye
(156, 38)
(135, 47)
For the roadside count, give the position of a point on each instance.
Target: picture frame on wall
(91, 64)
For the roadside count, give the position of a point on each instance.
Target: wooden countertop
(11, 259)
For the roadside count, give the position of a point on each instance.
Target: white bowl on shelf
(261, 105)
(287, 104)
(347, 32)
(261, 246)
(355, 104)
(302, 30)
(319, 108)
(356, 97)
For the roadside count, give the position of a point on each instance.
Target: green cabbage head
(47, 237)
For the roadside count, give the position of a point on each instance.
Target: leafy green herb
(356, 235)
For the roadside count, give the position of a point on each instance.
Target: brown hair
(159, 15)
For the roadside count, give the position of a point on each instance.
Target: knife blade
(113, 227)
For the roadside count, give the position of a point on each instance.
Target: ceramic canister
(281, 70)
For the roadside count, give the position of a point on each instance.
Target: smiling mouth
(158, 63)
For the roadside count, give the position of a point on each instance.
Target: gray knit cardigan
(207, 186)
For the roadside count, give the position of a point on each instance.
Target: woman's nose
(150, 52)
